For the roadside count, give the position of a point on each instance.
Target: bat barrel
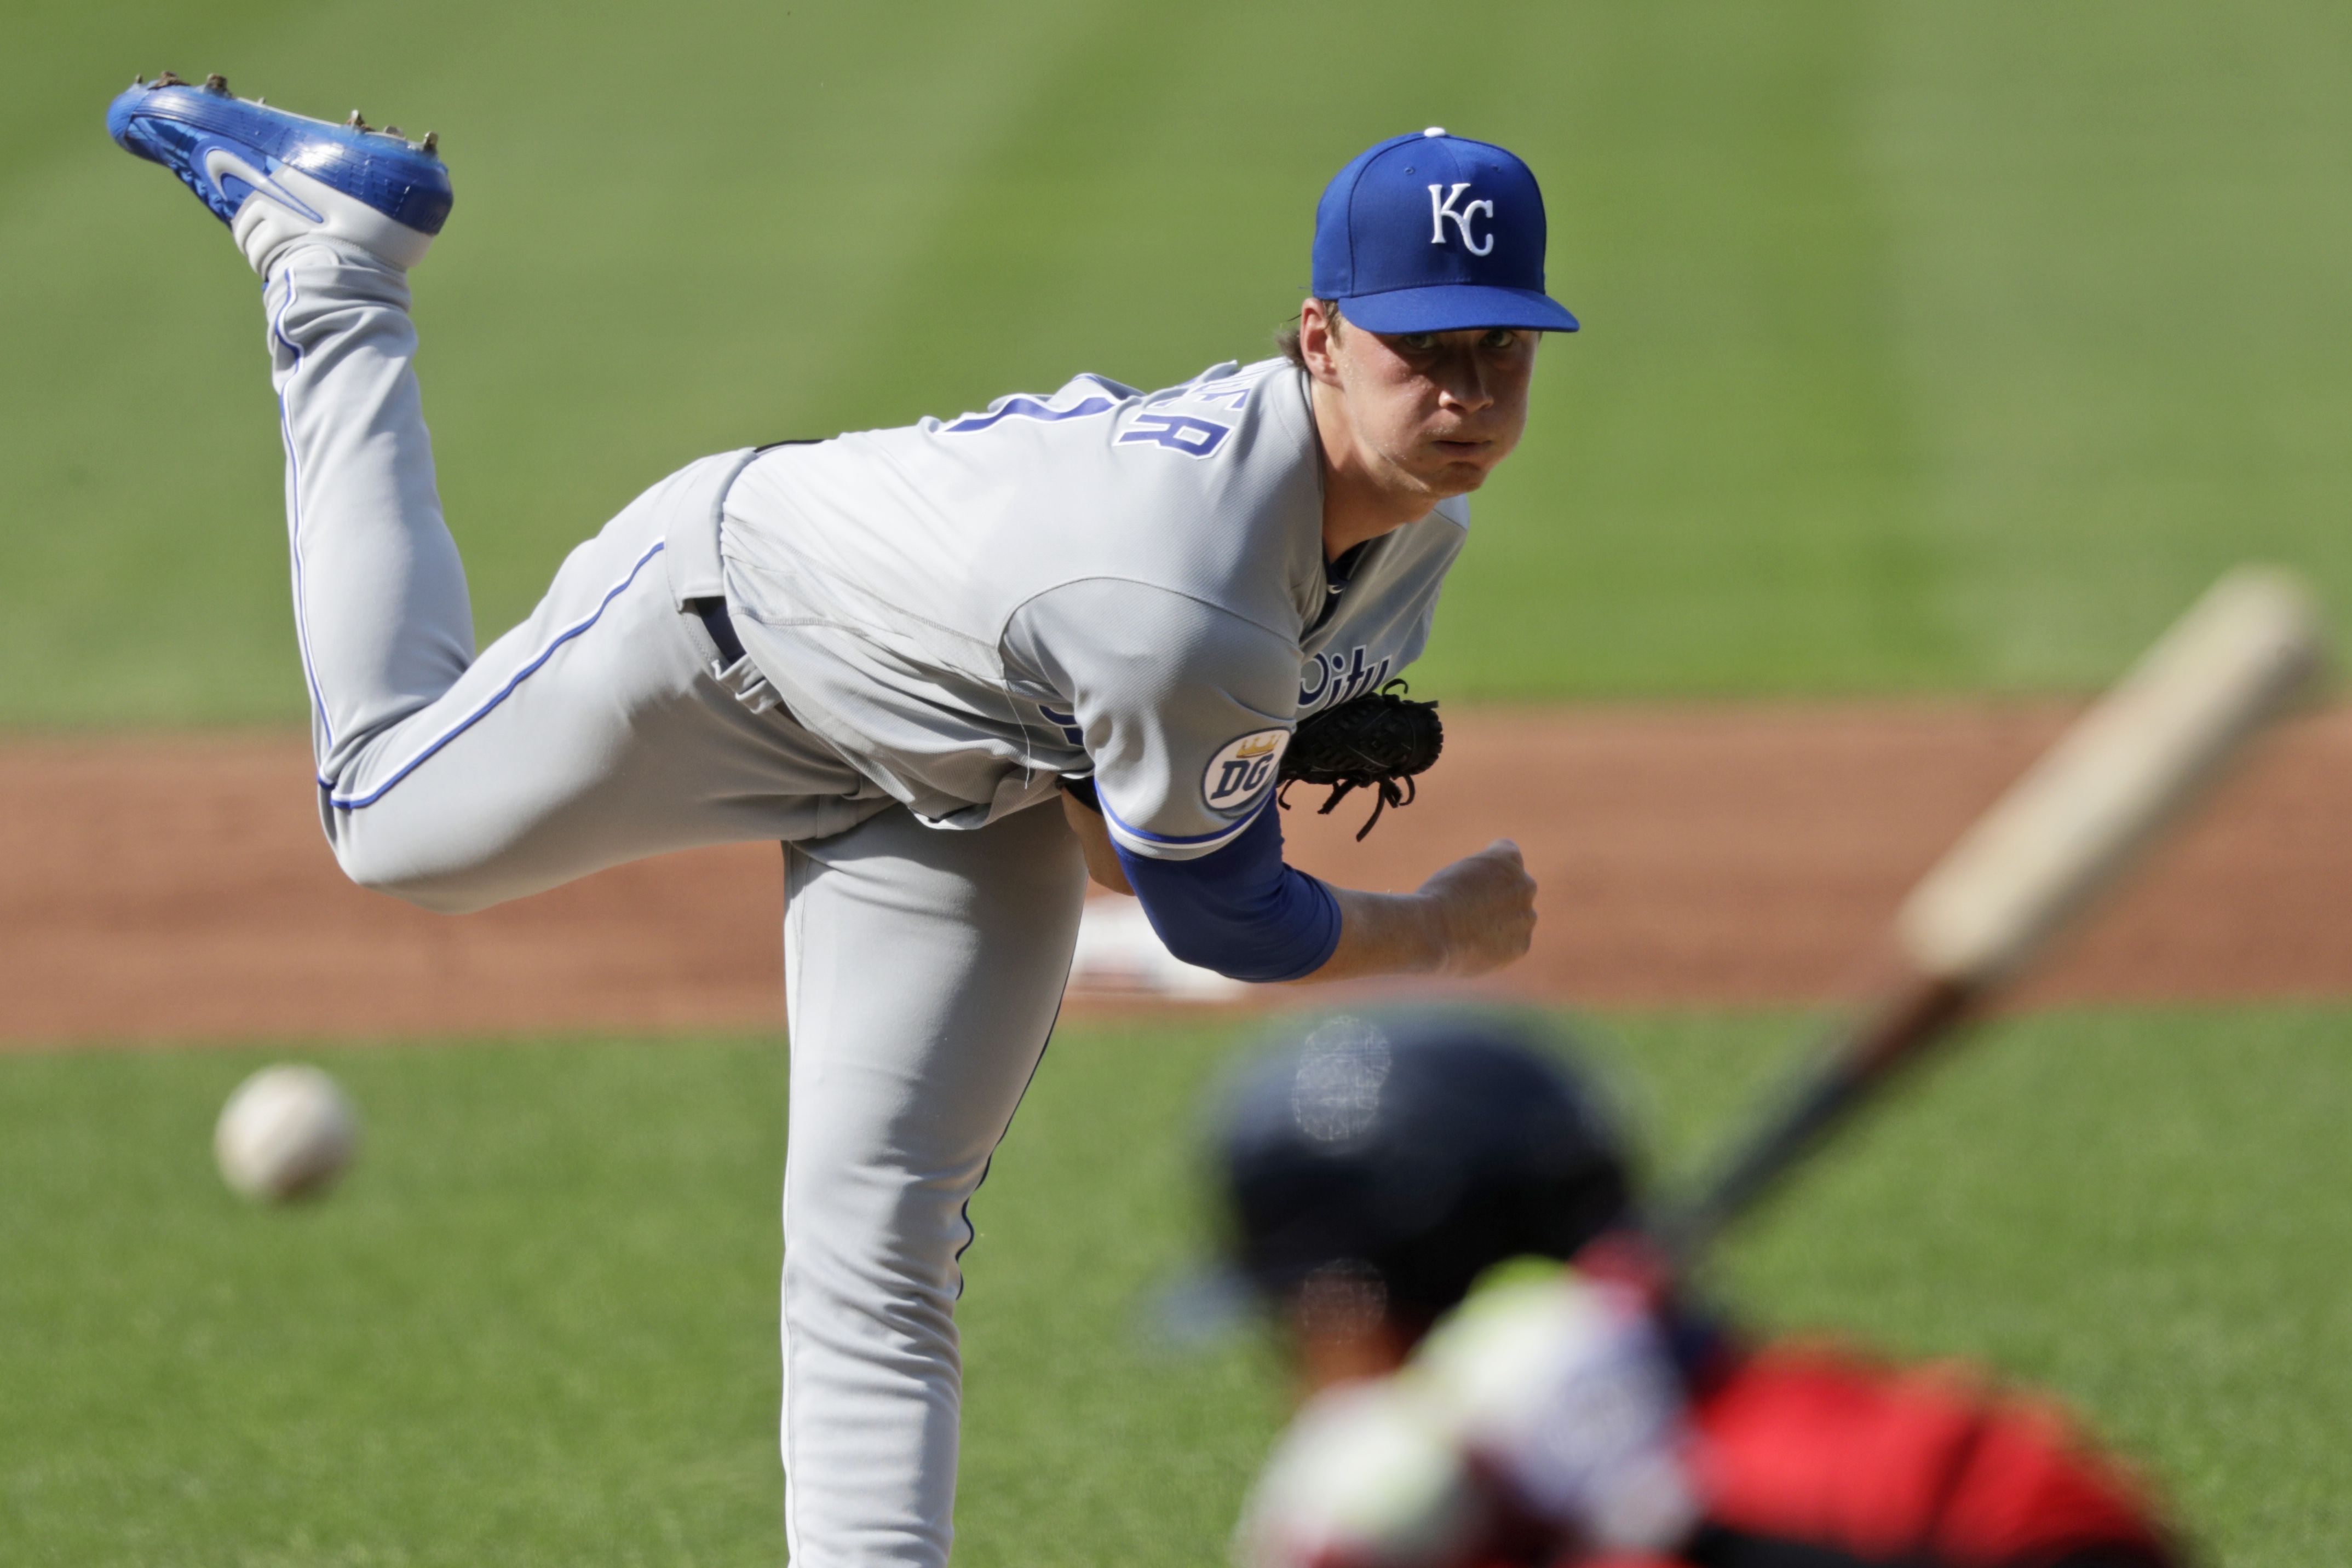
(2072, 825)
(2033, 862)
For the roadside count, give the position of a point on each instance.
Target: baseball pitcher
(951, 667)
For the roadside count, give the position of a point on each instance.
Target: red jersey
(1810, 1458)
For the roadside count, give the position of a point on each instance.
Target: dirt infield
(179, 889)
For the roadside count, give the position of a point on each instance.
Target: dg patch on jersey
(1243, 771)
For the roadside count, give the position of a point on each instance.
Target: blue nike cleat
(274, 177)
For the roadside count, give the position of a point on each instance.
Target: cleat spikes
(370, 188)
(393, 131)
(432, 143)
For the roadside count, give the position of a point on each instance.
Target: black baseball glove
(1377, 741)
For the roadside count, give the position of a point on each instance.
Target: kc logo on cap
(1435, 233)
(1439, 211)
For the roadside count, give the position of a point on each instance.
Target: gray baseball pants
(923, 967)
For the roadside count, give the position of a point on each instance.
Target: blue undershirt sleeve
(1238, 909)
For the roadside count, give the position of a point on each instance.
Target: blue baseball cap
(1432, 233)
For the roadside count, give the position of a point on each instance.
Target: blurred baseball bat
(2064, 833)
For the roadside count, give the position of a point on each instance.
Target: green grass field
(1935, 346)
(537, 1326)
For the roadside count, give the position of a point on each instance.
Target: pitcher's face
(1434, 412)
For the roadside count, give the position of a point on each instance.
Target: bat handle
(1862, 1057)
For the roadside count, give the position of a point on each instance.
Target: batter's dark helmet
(1422, 1146)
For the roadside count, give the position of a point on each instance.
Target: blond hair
(1288, 339)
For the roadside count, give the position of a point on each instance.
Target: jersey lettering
(1176, 432)
(1337, 677)
(1439, 211)
(1233, 394)
(1067, 722)
(1029, 408)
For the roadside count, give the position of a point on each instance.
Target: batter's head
(1418, 1148)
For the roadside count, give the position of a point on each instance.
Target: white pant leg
(923, 970)
(596, 732)
(380, 604)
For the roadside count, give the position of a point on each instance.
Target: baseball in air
(287, 1133)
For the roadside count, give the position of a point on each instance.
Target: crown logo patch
(1243, 771)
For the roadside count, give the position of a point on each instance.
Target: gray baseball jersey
(957, 613)
(1101, 580)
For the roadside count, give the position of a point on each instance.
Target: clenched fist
(1485, 907)
(1476, 915)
